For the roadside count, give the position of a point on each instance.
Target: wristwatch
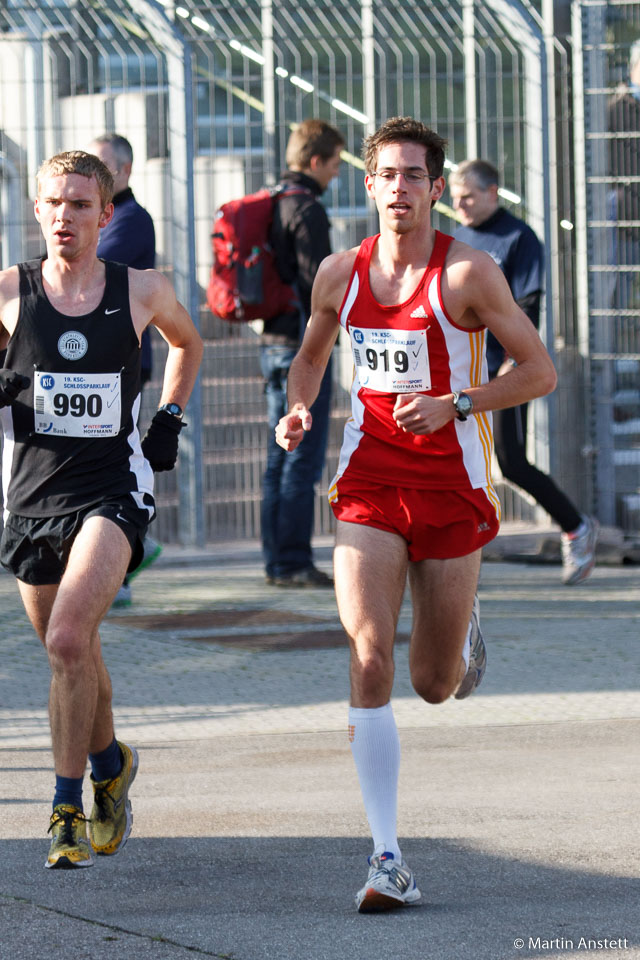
(463, 405)
(173, 409)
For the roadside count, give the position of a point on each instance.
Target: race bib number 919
(392, 361)
(77, 405)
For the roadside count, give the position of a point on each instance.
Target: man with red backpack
(300, 240)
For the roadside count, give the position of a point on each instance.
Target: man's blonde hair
(85, 164)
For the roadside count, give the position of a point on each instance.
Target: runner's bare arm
(476, 293)
(308, 367)
(480, 294)
(153, 301)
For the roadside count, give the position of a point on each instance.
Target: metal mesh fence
(606, 33)
(72, 70)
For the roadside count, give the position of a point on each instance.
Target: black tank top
(70, 438)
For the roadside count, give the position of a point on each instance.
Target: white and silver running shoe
(477, 656)
(579, 553)
(389, 885)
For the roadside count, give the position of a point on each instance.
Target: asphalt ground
(519, 807)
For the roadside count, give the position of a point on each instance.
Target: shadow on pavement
(291, 899)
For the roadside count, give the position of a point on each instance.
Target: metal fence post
(470, 92)
(192, 529)
(369, 87)
(268, 92)
(581, 234)
(527, 31)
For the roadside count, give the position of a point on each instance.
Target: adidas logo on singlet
(419, 312)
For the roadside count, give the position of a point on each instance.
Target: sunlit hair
(312, 138)
(405, 130)
(85, 165)
(483, 174)
(120, 145)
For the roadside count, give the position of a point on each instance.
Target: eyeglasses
(411, 176)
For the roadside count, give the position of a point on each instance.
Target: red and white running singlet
(412, 347)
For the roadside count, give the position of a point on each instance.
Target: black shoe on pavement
(309, 577)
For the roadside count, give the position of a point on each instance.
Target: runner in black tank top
(77, 478)
(60, 463)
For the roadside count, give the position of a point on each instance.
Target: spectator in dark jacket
(485, 225)
(300, 239)
(129, 238)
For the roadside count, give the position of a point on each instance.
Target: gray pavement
(519, 807)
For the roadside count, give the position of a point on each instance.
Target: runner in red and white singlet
(413, 493)
(408, 348)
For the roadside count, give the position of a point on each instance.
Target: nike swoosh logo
(107, 312)
(120, 517)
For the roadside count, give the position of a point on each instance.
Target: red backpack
(244, 283)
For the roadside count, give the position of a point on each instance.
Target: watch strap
(173, 408)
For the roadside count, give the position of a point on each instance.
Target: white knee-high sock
(375, 746)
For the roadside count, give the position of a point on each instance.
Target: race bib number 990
(392, 361)
(77, 405)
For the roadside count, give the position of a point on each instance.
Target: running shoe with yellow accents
(111, 816)
(69, 845)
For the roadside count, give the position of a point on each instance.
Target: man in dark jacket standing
(300, 239)
(485, 225)
(130, 239)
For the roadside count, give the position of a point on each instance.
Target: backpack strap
(280, 191)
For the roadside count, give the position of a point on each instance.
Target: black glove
(11, 383)
(160, 442)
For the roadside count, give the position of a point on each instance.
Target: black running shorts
(36, 549)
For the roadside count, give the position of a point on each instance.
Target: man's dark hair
(483, 173)
(405, 130)
(312, 138)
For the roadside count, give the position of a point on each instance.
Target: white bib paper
(77, 404)
(392, 361)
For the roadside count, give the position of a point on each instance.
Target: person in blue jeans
(300, 240)
(288, 485)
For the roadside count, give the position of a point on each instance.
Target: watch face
(463, 405)
(173, 409)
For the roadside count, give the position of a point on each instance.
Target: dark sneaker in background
(309, 577)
